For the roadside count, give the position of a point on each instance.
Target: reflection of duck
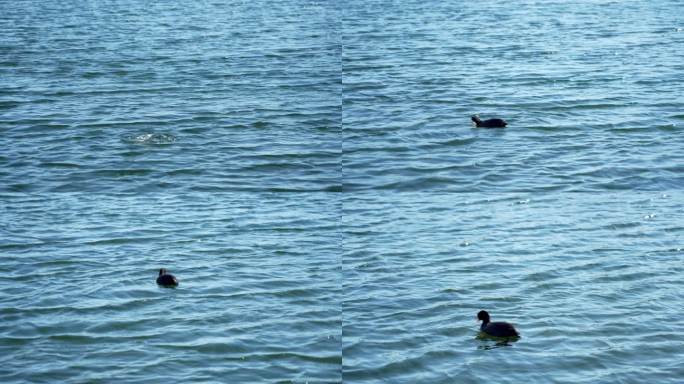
(491, 123)
(497, 329)
(166, 279)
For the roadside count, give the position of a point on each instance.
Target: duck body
(497, 328)
(166, 279)
(490, 123)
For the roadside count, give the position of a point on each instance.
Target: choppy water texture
(248, 94)
(255, 149)
(592, 282)
(258, 300)
(592, 90)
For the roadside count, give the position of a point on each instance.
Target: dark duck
(490, 123)
(496, 329)
(166, 279)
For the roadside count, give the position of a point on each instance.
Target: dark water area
(310, 173)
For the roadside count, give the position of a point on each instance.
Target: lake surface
(592, 91)
(167, 96)
(259, 298)
(592, 283)
(309, 172)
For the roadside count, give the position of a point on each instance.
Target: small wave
(122, 172)
(150, 138)
(277, 356)
(418, 183)
(9, 104)
(57, 164)
(123, 240)
(458, 142)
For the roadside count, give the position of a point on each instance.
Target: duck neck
(484, 324)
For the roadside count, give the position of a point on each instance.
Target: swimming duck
(496, 329)
(166, 280)
(491, 123)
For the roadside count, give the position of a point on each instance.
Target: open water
(258, 300)
(592, 91)
(130, 96)
(593, 283)
(309, 172)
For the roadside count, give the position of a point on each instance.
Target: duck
(490, 123)
(496, 329)
(166, 279)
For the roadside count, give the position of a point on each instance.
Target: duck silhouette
(496, 329)
(490, 123)
(166, 279)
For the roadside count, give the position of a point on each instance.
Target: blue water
(247, 96)
(592, 91)
(258, 297)
(309, 172)
(592, 283)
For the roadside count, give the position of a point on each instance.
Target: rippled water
(592, 282)
(592, 91)
(258, 300)
(309, 172)
(249, 94)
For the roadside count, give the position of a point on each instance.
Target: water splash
(150, 138)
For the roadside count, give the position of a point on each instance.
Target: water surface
(592, 283)
(214, 139)
(247, 95)
(592, 91)
(258, 300)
